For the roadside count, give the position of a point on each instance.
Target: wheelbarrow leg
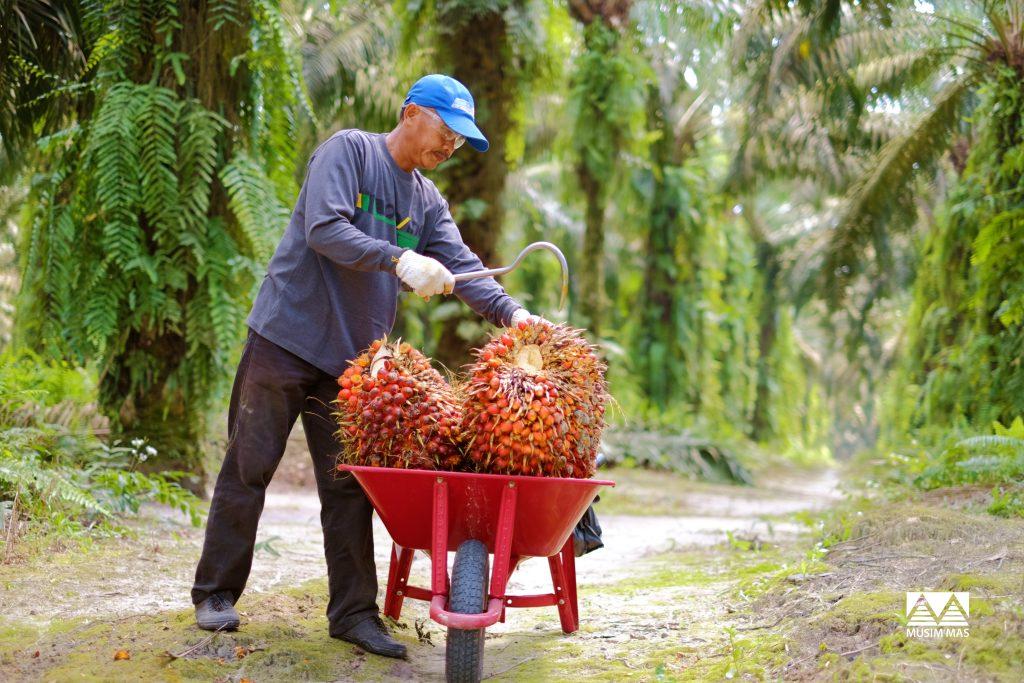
(398, 579)
(439, 540)
(504, 563)
(569, 563)
(563, 594)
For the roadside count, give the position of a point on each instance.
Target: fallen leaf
(241, 652)
(121, 655)
(35, 654)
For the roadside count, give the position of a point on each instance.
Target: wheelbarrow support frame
(562, 566)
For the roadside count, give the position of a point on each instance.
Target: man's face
(433, 142)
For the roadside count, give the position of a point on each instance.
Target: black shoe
(216, 613)
(373, 636)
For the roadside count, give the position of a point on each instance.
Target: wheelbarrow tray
(547, 508)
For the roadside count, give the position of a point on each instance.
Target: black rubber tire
(464, 655)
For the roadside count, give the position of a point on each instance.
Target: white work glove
(522, 315)
(424, 275)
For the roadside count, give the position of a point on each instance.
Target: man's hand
(424, 275)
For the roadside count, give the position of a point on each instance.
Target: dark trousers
(273, 387)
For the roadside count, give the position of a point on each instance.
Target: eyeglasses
(447, 133)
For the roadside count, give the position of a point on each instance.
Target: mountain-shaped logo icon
(938, 609)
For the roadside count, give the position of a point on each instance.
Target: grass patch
(700, 567)
(845, 619)
(645, 493)
(742, 657)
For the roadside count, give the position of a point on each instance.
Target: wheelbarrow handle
(494, 272)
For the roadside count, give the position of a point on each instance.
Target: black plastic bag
(586, 537)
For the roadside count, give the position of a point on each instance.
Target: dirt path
(153, 570)
(658, 583)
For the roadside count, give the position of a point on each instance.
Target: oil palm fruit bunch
(395, 410)
(534, 403)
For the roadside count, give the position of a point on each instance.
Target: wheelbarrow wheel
(464, 658)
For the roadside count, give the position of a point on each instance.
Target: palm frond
(876, 199)
(895, 72)
(347, 61)
(43, 48)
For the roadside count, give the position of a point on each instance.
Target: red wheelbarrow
(511, 517)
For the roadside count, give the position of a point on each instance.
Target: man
(365, 222)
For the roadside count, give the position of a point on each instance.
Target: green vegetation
(54, 470)
(156, 204)
(991, 459)
(150, 179)
(965, 328)
(839, 611)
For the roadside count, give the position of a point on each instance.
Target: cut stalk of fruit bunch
(534, 403)
(395, 410)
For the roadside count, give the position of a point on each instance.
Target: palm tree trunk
(768, 318)
(480, 57)
(658, 344)
(603, 22)
(591, 277)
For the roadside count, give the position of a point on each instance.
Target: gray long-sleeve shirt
(331, 288)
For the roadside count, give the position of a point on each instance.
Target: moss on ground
(854, 611)
(1002, 583)
(739, 656)
(283, 638)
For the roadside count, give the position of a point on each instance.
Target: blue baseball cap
(452, 102)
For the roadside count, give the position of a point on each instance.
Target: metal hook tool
(494, 272)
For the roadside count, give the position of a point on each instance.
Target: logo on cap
(463, 105)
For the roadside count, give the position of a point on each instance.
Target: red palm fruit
(404, 413)
(540, 386)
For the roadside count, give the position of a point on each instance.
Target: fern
(990, 442)
(195, 166)
(157, 213)
(157, 121)
(126, 490)
(226, 12)
(260, 216)
(49, 458)
(987, 459)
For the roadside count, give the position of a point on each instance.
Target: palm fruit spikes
(395, 410)
(534, 403)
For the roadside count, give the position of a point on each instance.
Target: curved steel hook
(494, 272)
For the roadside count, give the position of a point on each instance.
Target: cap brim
(466, 127)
